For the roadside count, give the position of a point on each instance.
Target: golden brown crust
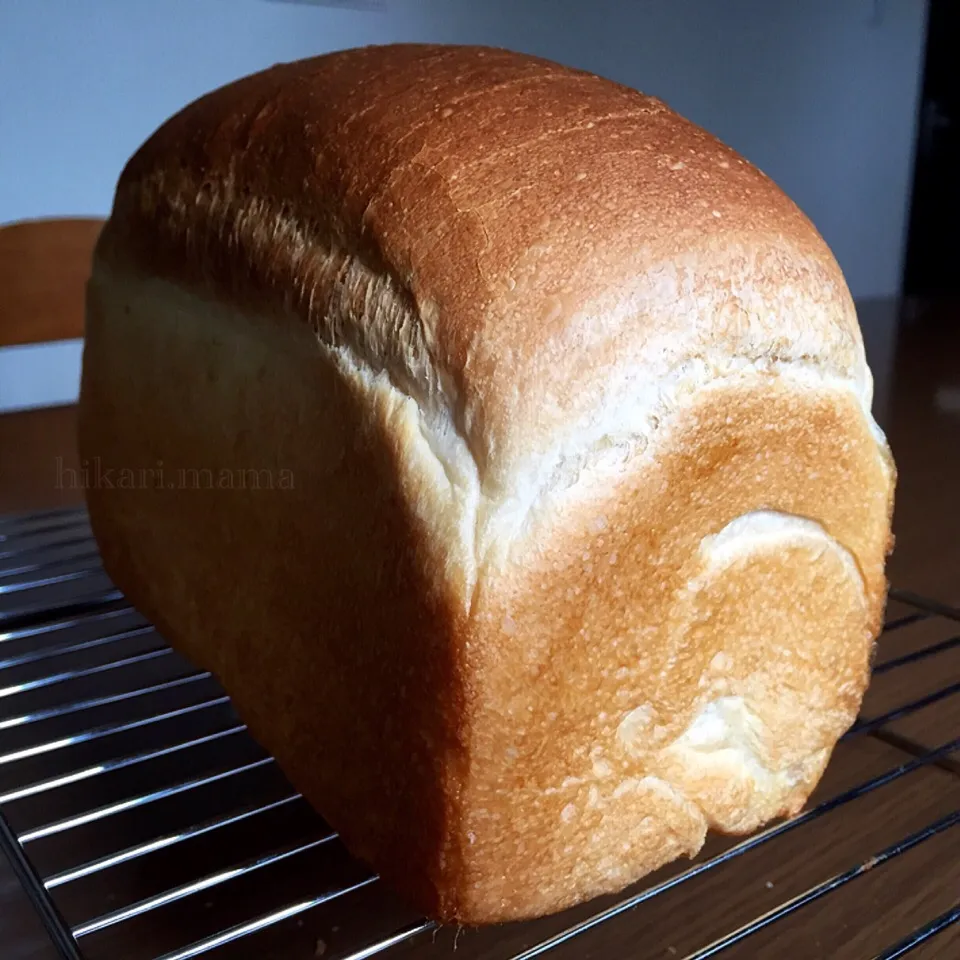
(584, 553)
(617, 639)
(539, 222)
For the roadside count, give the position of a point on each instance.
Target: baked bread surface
(502, 441)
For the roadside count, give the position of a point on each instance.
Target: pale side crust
(459, 755)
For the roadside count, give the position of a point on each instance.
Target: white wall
(84, 82)
(819, 93)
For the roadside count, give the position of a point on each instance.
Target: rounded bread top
(519, 246)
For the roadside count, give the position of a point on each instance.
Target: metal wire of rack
(145, 823)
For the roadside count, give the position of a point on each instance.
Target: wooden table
(923, 424)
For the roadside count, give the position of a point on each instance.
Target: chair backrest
(44, 268)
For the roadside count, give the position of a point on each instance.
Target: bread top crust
(529, 251)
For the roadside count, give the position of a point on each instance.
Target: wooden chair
(44, 267)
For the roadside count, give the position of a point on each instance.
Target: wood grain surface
(22, 936)
(38, 449)
(924, 431)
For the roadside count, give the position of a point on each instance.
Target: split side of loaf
(584, 549)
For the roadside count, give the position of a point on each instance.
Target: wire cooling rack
(145, 824)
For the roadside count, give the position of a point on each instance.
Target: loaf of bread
(502, 441)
